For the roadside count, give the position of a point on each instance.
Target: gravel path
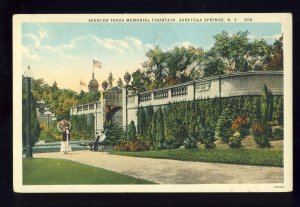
(165, 171)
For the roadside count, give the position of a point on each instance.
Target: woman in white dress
(65, 142)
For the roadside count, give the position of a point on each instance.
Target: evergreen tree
(149, 117)
(131, 136)
(160, 136)
(266, 105)
(153, 128)
(141, 125)
(113, 134)
(224, 126)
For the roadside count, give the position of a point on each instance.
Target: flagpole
(93, 69)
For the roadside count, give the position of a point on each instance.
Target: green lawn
(63, 172)
(260, 157)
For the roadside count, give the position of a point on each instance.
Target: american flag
(97, 64)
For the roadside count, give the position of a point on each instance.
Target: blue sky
(64, 51)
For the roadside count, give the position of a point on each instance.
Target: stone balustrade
(237, 84)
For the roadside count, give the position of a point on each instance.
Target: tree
(141, 125)
(140, 81)
(156, 64)
(224, 126)
(183, 64)
(113, 134)
(110, 80)
(213, 64)
(276, 62)
(160, 135)
(131, 136)
(267, 105)
(164, 68)
(120, 83)
(149, 118)
(237, 54)
(261, 129)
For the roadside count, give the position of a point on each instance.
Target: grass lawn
(260, 157)
(63, 172)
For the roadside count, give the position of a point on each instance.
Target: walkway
(172, 171)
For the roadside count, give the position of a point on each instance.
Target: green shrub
(262, 134)
(235, 140)
(267, 105)
(47, 137)
(113, 134)
(241, 124)
(131, 135)
(277, 133)
(182, 120)
(190, 143)
(82, 126)
(224, 126)
(175, 131)
(160, 135)
(207, 136)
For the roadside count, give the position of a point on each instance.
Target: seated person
(99, 138)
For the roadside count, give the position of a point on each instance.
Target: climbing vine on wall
(170, 126)
(83, 126)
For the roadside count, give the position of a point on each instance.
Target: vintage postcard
(152, 103)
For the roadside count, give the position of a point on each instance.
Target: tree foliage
(236, 53)
(131, 135)
(164, 68)
(230, 53)
(113, 134)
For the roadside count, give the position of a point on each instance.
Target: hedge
(168, 126)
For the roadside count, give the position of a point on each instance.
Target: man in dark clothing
(94, 145)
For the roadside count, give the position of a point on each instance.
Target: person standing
(65, 142)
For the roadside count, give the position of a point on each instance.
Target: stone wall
(95, 108)
(229, 85)
(113, 98)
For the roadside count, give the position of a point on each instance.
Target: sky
(64, 52)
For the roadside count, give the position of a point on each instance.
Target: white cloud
(69, 57)
(27, 53)
(50, 48)
(266, 37)
(185, 44)
(272, 37)
(118, 45)
(251, 37)
(34, 38)
(42, 34)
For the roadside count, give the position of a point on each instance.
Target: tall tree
(213, 64)
(156, 64)
(110, 80)
(276, 62)
(120, 83)
(140, 81)
(164, 68)
(237, 54)
(183, 64)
